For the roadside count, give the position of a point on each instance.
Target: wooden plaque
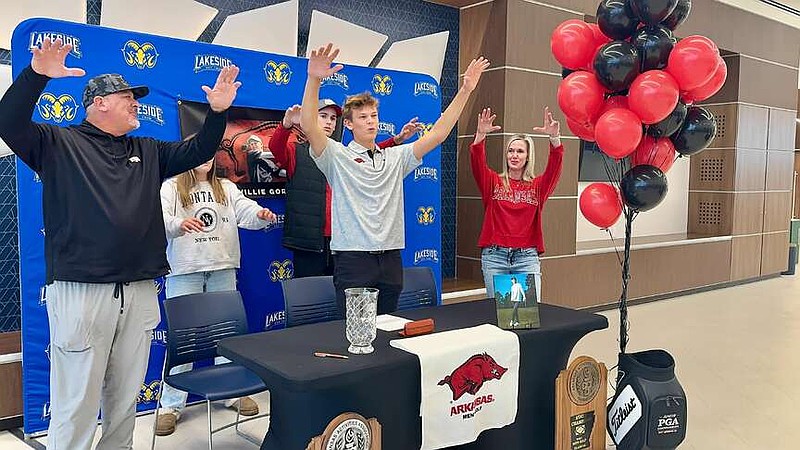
(350, 431)
(581, 405)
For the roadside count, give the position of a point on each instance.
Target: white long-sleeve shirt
(217, 247)
(517, 294)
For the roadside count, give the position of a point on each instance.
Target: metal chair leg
(238, 412)
(210, 445)
(242, 434)
(158, 403)
(155, 423)
(254, 440)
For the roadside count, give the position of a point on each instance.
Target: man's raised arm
(319, 67)
(448, 119)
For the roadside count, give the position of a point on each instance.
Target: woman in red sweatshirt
(511, 238)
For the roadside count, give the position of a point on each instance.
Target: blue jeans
(502, 260)
(194, 283)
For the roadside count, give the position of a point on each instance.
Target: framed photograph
(515, 297)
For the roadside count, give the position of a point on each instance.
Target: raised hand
(221, 96)
(266, 215)
(473, 73)
(409, 129)
(292, 116)
(319, 63)
(192, 225)
(551, 126)
(485, 124)
(49, 60)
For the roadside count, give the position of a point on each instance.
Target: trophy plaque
(350, 431)
(581, 406)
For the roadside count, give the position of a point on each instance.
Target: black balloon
(696, 133)
(616, 19)
(669, 125)
(678, 15)
(616, 65)
(652, 12)
(654, 45)
(565, 72)
(643, 187)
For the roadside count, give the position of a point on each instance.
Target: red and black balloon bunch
(630, 86)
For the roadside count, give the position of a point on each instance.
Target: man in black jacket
(104, 238)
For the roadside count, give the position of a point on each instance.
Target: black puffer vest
(304, 224)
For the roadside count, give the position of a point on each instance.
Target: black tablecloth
(307, 392)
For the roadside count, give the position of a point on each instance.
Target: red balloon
(618, 132)
(600, 40)
(573, 44)
(583, 131)
(693, 62)
(653, 95)
(616, 101)
(712, 87)
(580, 96)
(655, 152)
(599, 37)
(601, 204)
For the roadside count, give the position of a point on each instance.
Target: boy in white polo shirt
(368, 229)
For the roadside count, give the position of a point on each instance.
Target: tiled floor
(737, 352)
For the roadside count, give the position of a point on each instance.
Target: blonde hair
(530, 160)
(357, 101)
(187, 180)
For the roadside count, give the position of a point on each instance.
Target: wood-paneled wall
(595, 279)
(742, 185)
(796, 181)
(739, 187)
(10, 377)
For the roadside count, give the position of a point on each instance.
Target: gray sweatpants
(100, 344)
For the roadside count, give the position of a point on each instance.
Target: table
(306, 393)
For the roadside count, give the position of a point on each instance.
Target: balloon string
(614, 243)
(626, 265)
(610, 174)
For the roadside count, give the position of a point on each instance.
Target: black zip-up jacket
(101, 194)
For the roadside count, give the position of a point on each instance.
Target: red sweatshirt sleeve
(484, 176)
(387, 143)
(282, 149)
(549, 179)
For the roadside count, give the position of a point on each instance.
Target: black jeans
(381, 270)
(312, 264)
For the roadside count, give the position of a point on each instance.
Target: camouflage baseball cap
(110, 83)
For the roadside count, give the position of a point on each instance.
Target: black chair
(309, 300)
(419, 288)
(195, 325)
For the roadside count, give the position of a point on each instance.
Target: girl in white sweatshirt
(202, 214)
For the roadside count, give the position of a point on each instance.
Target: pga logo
(668, 422)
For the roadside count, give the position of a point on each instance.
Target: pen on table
(330, 355)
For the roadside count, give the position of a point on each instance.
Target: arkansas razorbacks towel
(470, 382)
